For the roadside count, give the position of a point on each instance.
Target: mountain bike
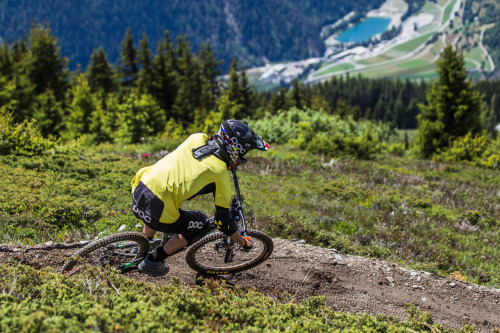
(211, 253)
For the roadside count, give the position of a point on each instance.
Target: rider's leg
(189, 224)
(148, 232)
(175, 243)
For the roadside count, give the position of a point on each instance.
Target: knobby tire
(90, 254)
(212, 263)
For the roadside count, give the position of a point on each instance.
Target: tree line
(148, 92)
(134, 99)
(396, 101)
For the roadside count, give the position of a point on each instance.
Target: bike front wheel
(209, 254)
(119, 251)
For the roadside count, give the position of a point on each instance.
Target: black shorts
(190, 224)
(148, 208)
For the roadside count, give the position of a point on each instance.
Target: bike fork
(229, 252)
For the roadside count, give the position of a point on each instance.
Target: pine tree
(146, 64)
(44, 64)
(140, 117)
(210, 69)
(100, 73)
(19, 50)
(246, 96)
(100, 132)
(6, 63)
(490, 118)
(49, 114)
(453, 106)
(296, 94)
(163, 87)
(189, 84)
(83, 104)
(233, 86)
(128, 59)
(278, 100)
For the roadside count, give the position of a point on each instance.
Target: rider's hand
(248, 244)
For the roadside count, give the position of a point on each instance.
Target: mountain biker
(198, 166)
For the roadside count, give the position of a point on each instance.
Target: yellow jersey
(178, 177)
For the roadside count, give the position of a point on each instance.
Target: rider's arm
(223, 221)
(226, 224)
(238, 238)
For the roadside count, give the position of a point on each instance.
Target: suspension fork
(237, 208)
(240, 217)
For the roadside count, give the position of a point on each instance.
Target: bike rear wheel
(208, 254)
(118, 251)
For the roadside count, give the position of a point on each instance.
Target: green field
(426, 75)
(447, 11)
(70, 195)
(433, 9)
(374, 60)
(407, 47)
(411, 68)
(476, 54)
(336, 68)
(470, 64)
(413, 63)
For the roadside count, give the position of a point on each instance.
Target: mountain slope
(251, 31)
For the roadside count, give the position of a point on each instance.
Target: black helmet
(239, 138)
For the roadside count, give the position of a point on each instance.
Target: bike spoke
(206, 256)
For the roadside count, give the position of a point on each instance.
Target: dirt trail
(349, 283)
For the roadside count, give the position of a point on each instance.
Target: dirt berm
(349, 283)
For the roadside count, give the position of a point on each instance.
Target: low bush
(97, 300)
(478, 150)
(21, 139)
(321, 133)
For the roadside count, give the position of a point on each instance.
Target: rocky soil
(349, 283)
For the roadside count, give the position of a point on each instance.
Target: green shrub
(104, 301)
(472, 217)
(21, 139)
(467, 148)
(478, 150)
(320, 133)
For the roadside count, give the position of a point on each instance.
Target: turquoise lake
(365, 30)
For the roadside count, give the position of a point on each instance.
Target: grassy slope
(427, 215)
(440, 217)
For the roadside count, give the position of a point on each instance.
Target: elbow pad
(224, 222)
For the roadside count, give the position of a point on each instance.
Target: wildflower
(145, 155)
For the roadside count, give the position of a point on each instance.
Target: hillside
(289, 38)
(250, 31)
(382, 233)
(411, 51)
(348, 283)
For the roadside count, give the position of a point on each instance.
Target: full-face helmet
(239, 139)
